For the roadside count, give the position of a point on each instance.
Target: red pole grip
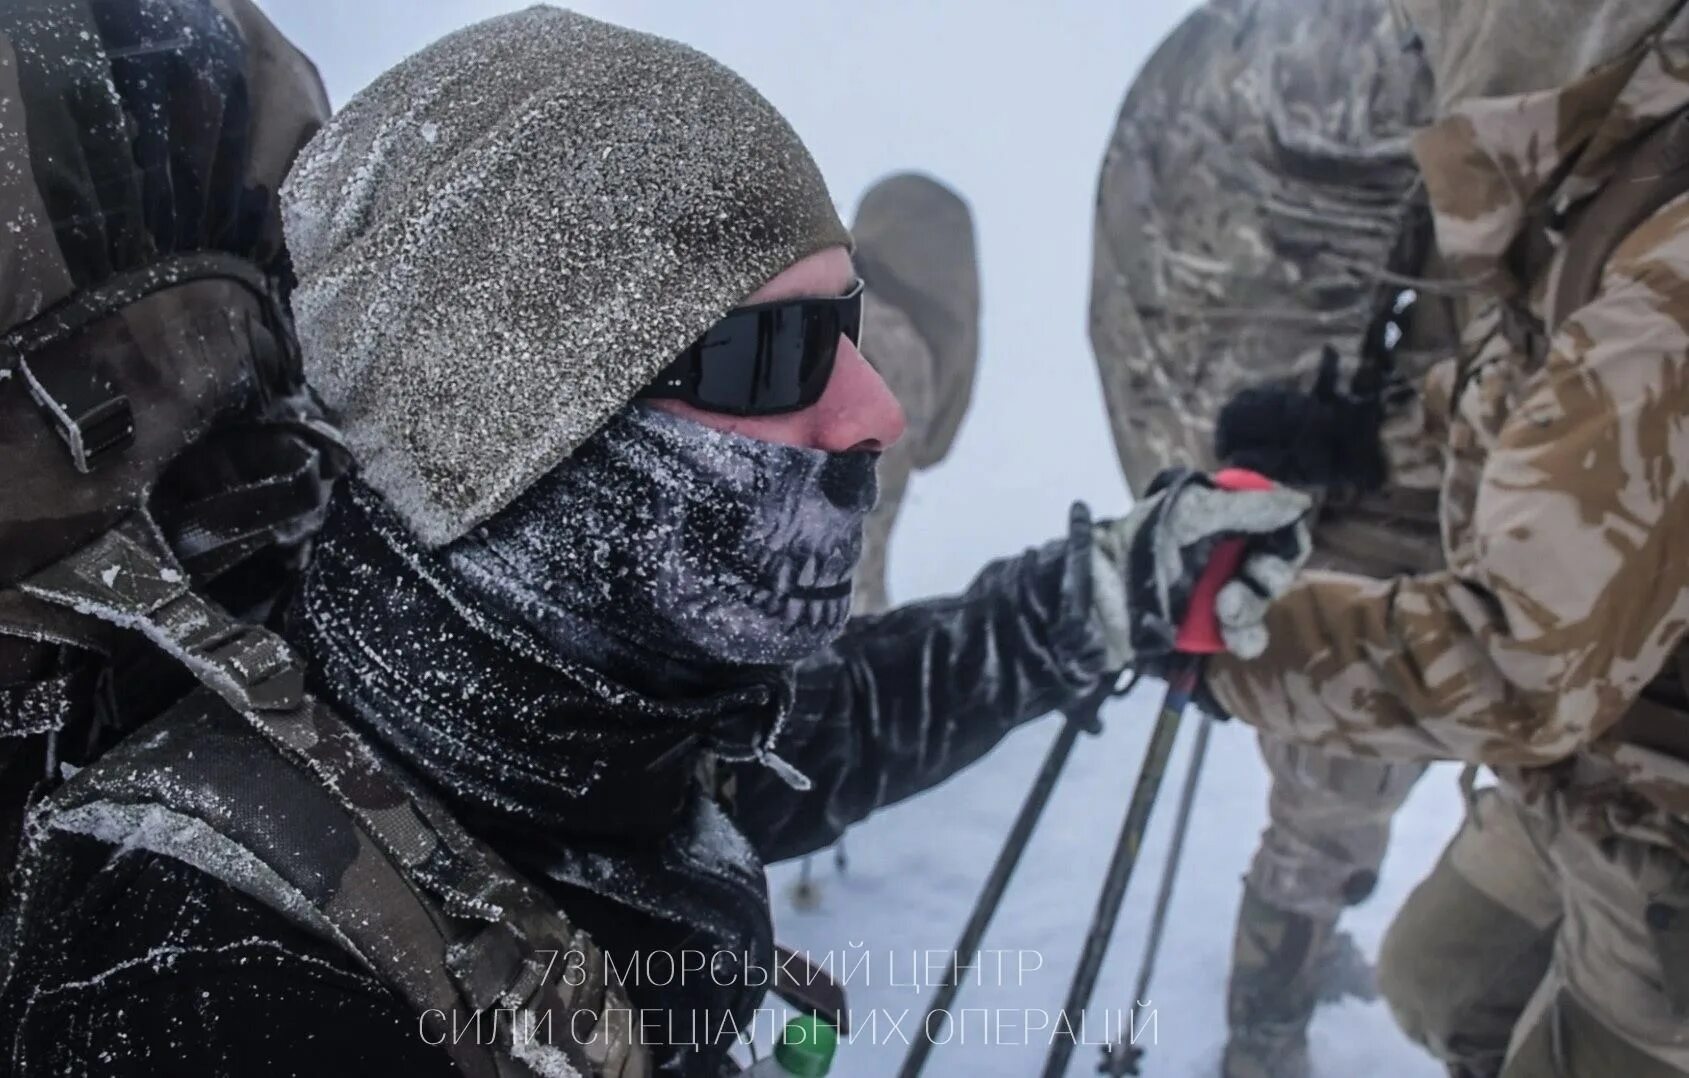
(1200, 633)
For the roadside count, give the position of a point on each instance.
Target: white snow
(915, 870)
(1012, 103)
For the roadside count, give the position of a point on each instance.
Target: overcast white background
(1011, 103)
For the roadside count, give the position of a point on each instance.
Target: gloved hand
(1144, 565)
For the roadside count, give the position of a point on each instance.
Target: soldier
(915, 254)
(1549, 940)
(1256, 186)
(570, 661)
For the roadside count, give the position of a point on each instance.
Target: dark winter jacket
(149, 966)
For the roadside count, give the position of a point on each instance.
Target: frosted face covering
(682, 542)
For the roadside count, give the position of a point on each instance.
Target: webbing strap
(1655, 173)
(129, 577)
(94, 421)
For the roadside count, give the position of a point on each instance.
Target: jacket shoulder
(199, 785)
(1656, 251)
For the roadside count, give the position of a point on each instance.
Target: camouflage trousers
(1328, 827)
(1535, 951)
(1329, 816)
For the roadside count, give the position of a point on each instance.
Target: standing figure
(915, 254)
(1550, 939)
(1257, 187)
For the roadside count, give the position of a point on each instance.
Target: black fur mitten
(1324, 438)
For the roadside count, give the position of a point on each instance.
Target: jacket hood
(1498, 48)
(505, 237)
(1491, 162)
(915, 251)
(1254, 185)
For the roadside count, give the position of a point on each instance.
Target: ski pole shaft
(1123, 1056)
(1120, 866)
(1175, 853)
(1082, 716)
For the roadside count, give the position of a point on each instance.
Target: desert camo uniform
(1551, 939)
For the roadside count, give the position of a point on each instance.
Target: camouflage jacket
(1565, 508)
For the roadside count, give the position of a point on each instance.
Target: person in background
(920, 273)
(1553, 936)
(1255, 219)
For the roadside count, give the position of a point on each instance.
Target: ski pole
(1120, 866)
(1197, 637)
(1124, 1056)
(1080, 717)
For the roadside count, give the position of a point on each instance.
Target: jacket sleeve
(1574, 586)
(904, 700)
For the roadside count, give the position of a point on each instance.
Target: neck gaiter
(679, 553)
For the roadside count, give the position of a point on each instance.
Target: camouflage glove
(1144, 565)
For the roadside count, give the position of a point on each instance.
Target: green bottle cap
(807, 1046)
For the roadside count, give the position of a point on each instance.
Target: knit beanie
(500, 241)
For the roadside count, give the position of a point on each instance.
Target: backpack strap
(461, 913)
(1653, 174)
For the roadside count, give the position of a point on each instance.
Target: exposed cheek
(795, 428)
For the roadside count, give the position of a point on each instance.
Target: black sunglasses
(765, 359)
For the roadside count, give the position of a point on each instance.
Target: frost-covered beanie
(505, 237)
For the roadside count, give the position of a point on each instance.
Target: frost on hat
(502, 239)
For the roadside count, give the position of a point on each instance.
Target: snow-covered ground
(1011, 102)
(914, 871)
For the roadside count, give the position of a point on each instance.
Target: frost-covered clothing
(1548, 647)
(625, 832)
(150, 967)
(514, 690)
(663, 541)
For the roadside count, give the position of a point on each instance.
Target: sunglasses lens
(726, 365)
(769, 359)
(822, 326)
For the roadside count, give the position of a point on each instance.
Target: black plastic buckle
(89, 414)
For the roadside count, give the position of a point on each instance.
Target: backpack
(148, 367)
(167, 469)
